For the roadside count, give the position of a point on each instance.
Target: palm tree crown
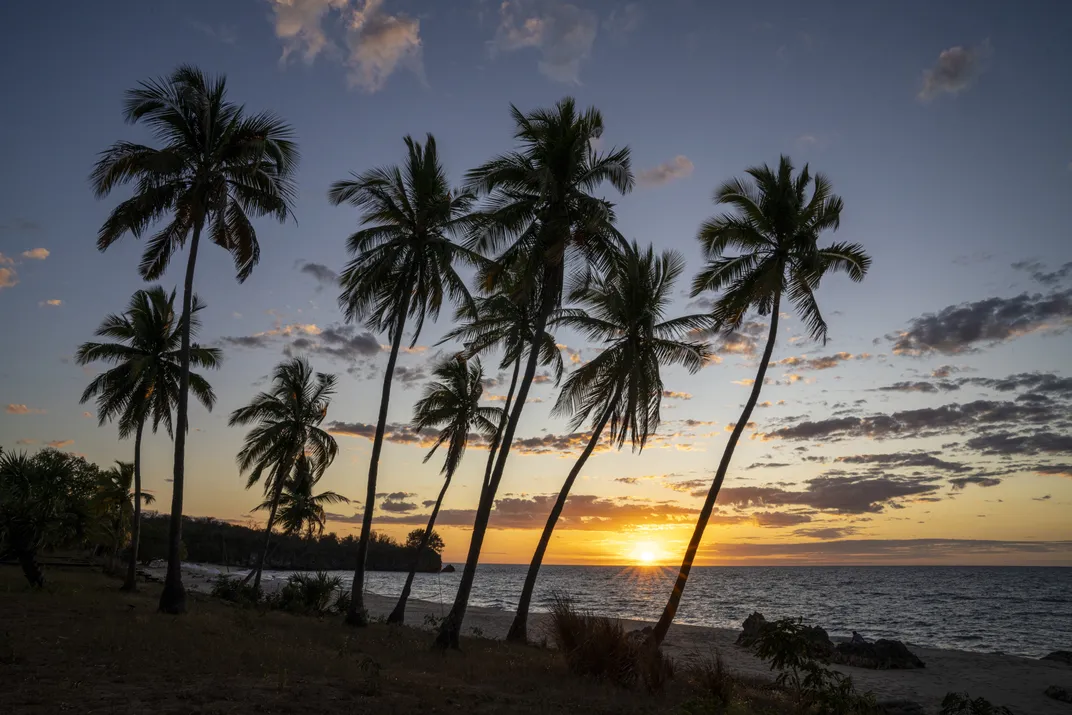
(776, 226)
(624, 311)
(299, 509)
(144, 383)
(217, 166)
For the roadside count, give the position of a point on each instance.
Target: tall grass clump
(309, 593)
(598, 647)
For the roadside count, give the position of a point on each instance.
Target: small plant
(432, 622)
(477, 632)
(342, 602)
(308, 593)
(599, 647)
(962, 704)
(786, 645)
(711, 677)
(229, 588)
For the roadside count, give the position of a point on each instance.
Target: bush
(709, 675)
(786, 644)
(598, 647)
(962, 704)
(308, 593)
(233, 589)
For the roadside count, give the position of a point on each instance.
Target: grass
(82, 646)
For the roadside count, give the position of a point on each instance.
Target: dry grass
(82, 646)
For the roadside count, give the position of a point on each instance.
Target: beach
(1013, 681)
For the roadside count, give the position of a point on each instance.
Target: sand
(1016, 682)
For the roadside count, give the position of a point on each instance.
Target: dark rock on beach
(1061, 656)
(819, 644)
(1056, 692)
(753, 626)
(449, 568)
(881, 655)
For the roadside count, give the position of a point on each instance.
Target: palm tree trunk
(398, 615)
(277, 492)
(519, 628)
(131, 583)
(502, 426)
(27, 557)
(450, 632)
(173, 597)
(356, 616)
(670, 611)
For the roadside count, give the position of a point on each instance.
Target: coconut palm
(403, 268)
(542, 224)
(118, 510)
(299, 509)
(773, 231)
(287, 421)
(624, 312)
(217, 167)
(143, 387)
(452, 404)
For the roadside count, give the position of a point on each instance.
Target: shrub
(233, 589)
(786, 644)
(308, 593)
(598, 647)
(962, 704)
(709, 675)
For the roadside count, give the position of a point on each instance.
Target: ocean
(1013, 610)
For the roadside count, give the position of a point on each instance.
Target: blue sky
(945, 128)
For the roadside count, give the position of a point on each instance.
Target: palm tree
(403, 267)
(287, 418)
(622, 387)
(300, 509)
(451, 403)
(217, 167)
(118, 509)
(539, 220)
(144, 384)
(774, 228)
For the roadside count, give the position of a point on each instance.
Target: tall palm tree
(623, 311)
(773, 231)
(217, 167)
(541, 222)
(451, 403)
(144, 384)
(402, 267)
(299, 509)
(118, 509)
(288, 418)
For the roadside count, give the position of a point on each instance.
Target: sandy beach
(1016, 682)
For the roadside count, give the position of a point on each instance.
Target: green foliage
(785, 644)
(300, 511)
(314, 593)
(963, 704)
(235, 590)
(598, 647)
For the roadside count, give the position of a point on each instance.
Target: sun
(646, 557)
(645, 553)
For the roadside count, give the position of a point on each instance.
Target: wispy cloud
(955, 71)
(18, 409)
(51, 303)
(60, 443)
(36, 254)
(563, 33)
(679, 167)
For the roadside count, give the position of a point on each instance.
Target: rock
(1061, 656)
(820, 646)
(449, 568)
(881, 655)
(901, 707)
(1058, 693)
(753, 626)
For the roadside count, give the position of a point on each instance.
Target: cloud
(14, 409)
(825, 362)
(955, 71)
(743, 342)
(890, 550)
(919, 386)
(778, 519)
(269, 337)
(864, 494)
(1039, 275)
(624, 20)
(221, 33)
(51, 303)
(1007, 443)
(36, 254)
(60, 443)
(409, 375)
(826, 533)
(563, 33)
(397, 505)
(961, 482)
(376, 42)
(919, 460)
(344, 342)
(672, 395)
(1056, 470)
(963, 328)
(321, 273)
(679, 167)
(8, 277)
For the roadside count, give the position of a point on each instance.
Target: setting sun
(645, 553)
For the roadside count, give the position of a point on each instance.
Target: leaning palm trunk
(356, 615)
(398, 615)
(502, 427)
(131, 582)
(173, 597)
(519, 628)
(670, 611)
(450, 632)
(277, 492)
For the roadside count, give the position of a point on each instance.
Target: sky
(934, 425)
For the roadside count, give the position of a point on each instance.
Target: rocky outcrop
(1061, 656)
(881, 655)
(449, 568)
(1056, 692)
(820, 646)
(753, 626)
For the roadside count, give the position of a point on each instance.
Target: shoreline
(1014, 681)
